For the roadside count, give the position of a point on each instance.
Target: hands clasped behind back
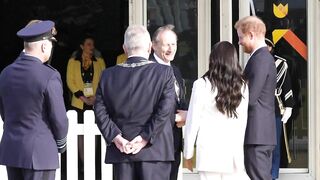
(132, 147)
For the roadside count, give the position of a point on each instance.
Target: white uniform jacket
(219, 140)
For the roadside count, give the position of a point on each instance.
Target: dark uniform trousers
(143, 170)
(29, 174)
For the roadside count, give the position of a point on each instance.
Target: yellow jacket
(121, 58)
(74, 78)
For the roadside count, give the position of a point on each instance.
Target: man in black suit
(260, 72)
(134, 101)
(32, 108)
(164, 44)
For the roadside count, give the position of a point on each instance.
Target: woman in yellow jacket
(83, 74)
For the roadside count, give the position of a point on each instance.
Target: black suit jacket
(34, 115)
(137, 98)
(181, 104)
(260, 72)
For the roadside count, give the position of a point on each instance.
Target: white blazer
(219, 140)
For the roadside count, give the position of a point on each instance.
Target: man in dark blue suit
(134, 103)
(164, 44)
(32, 108)
(260, 72)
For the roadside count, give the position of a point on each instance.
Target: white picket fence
(89, 129)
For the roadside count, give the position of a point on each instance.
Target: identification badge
(88, 90)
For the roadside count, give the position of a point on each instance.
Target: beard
(247, 49)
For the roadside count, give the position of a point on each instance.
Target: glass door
(287, 27)
(286, 22)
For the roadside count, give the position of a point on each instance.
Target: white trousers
(205, 175)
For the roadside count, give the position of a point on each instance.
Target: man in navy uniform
(32, 108)
(164, 44)
(134, 101)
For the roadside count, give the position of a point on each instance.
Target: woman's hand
(88, 100)
(91, 100)
(188, 164)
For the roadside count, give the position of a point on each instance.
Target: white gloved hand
(286, 115)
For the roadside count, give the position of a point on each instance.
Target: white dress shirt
(160, 61)
(176, 85)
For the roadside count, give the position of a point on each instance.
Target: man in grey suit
(32, 108)
(260, 72)
(134, 103)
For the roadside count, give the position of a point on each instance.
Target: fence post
(72, 145)
(90, 130)
(180, 175)
(58, 171)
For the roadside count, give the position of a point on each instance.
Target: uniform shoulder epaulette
(281, 58)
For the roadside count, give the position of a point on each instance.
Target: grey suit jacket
(137, 98)
(260, 72)
(34, 115)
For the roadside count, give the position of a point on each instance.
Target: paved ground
(191, 177)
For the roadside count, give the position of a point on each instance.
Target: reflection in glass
(286, 26)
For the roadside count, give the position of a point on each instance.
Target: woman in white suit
(217, 118)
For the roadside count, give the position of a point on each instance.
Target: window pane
(287, 27)
(215, 21)
(183, 15)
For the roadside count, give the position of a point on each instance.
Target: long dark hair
(225, 75)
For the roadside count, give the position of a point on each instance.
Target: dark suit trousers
(30, 174)
(175, 165)
(258, 161)
(142, 170)
(177, 135)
